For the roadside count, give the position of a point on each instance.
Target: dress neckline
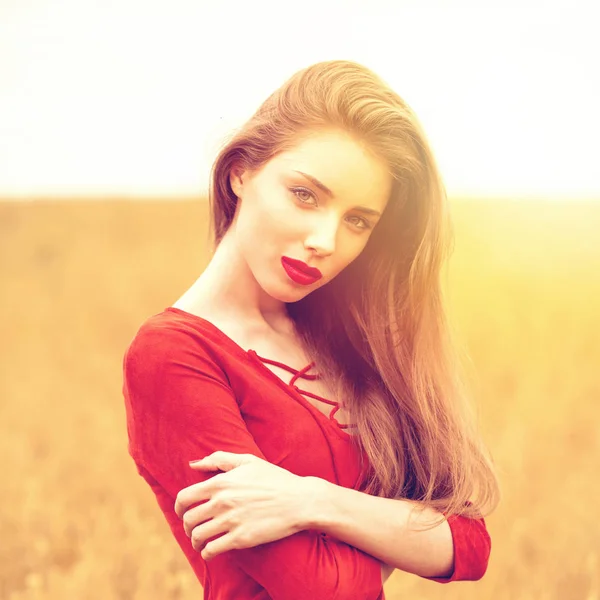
(290, 387)
(302, 373)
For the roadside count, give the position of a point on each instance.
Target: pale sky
(133, 97)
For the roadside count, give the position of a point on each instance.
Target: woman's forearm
(386, 571)
(384, 528)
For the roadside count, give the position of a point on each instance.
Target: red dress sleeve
(180, 408)
(472, 547)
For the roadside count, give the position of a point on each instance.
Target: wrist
(315, 502)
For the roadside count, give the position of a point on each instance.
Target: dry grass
(77, 280)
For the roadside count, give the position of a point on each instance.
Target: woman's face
(282, 213)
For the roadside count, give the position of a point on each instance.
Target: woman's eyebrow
(324, 188)
(316, 182)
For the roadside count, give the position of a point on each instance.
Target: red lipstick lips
(299, 271)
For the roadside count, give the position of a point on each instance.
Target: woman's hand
(252, 502)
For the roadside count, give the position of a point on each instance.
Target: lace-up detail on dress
(302, 373)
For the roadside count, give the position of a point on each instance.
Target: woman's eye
(362, 223)
(308, 193)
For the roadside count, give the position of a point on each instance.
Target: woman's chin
(288, 293)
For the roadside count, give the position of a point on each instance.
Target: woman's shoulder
(175, 323)
(173, 334)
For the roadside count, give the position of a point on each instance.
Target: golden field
(78, 278)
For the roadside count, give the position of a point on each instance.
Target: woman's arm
(181, 408)
(456, 549)
(386, 571)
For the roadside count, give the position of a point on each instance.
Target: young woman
(311, 364)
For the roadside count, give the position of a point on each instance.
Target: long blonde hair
(379, 332)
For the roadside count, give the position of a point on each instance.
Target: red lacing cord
(303, 373)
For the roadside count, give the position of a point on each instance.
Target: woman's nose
(322, 237)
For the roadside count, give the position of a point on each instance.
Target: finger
(191, 495)
(221, 544)
(204, 464)
(218, 460)
(224, 461)
(198, 515)
(203, 533)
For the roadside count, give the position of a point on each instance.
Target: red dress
(191, 390)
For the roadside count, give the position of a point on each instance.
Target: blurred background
(110, 117)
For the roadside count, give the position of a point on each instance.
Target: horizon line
(125, 197)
